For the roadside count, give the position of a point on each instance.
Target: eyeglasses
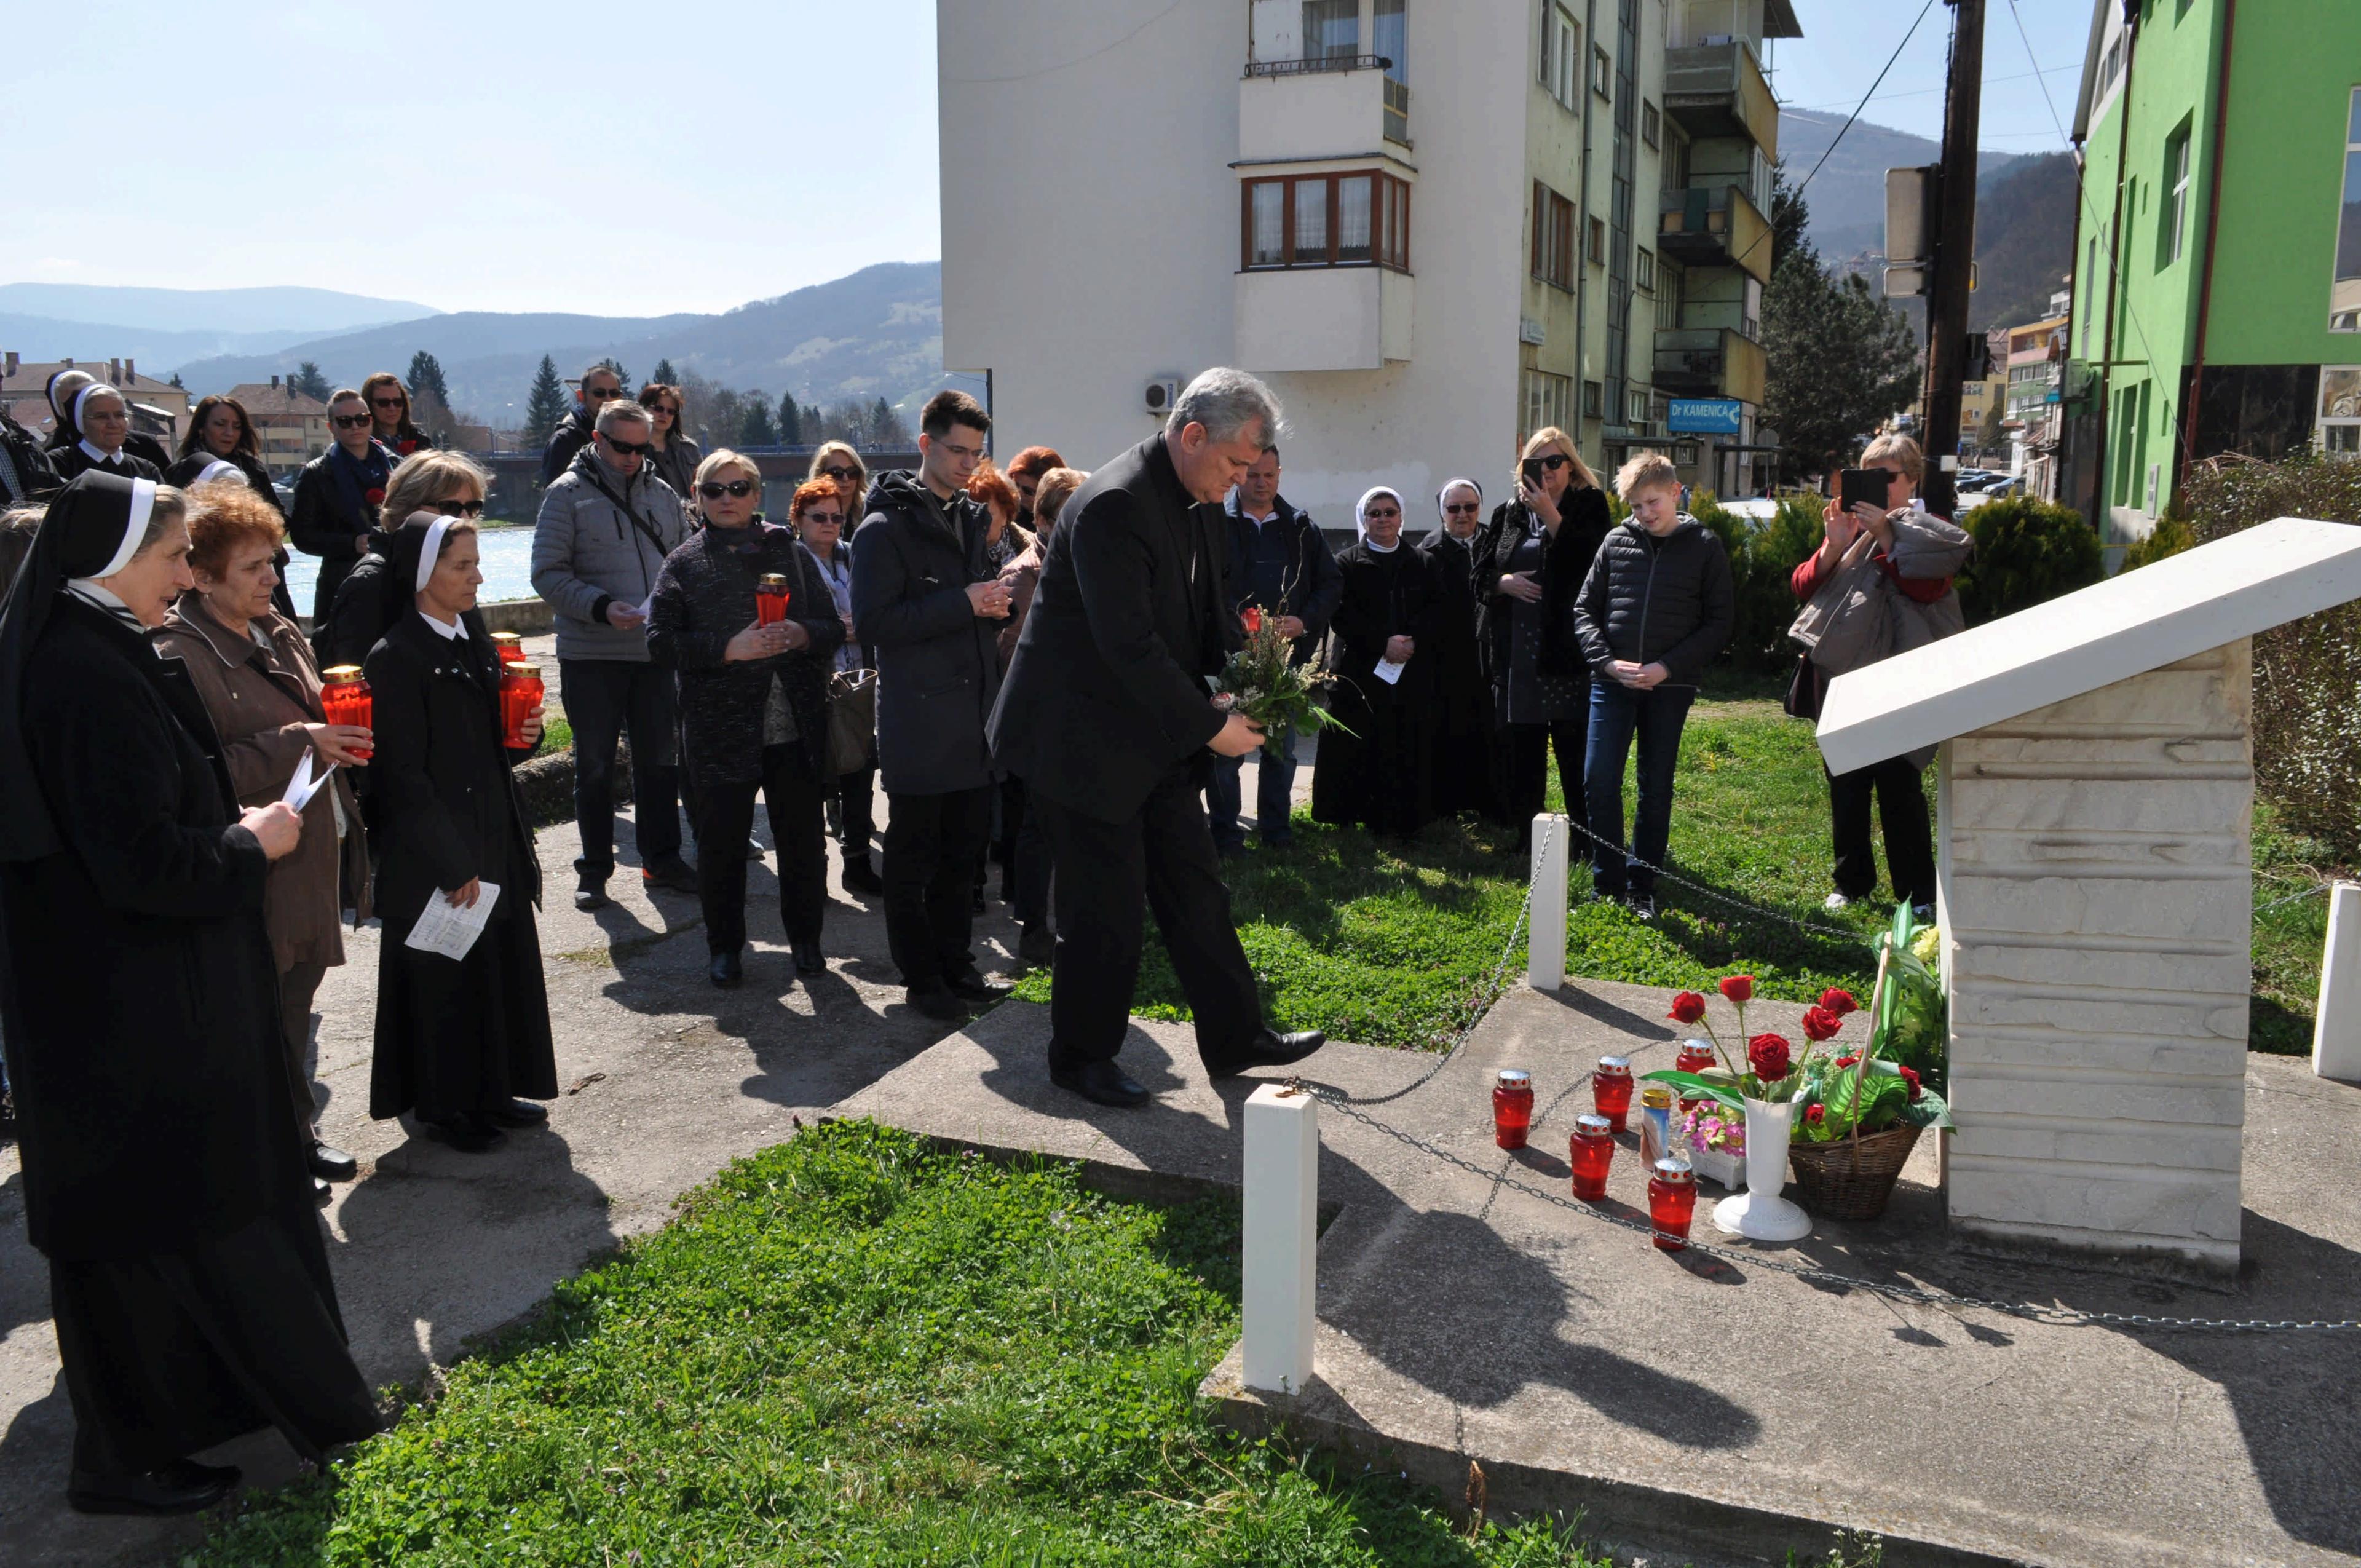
(1550, 464)
(351, 422)
(1379, 514)
(627, 448)
(663, 409)
(842, 472)
(601, 394)
(389, 402)
(832, 519)
(1469, 510)
(714, 489)
(460, 508)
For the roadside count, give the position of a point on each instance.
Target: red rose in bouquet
(1252, 617)
(1688, 1008)
(375, 495)
(1819, 1023)
(1769, 1056)
(1816, 1114)
(1739, 988)
(1910, 1076)
(1845, 1061)
(1839, 1000)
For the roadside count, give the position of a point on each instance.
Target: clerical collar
(1382, 549)
(111, 459)
(88, 590)
(456, 631)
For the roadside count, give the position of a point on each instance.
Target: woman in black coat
(458, 1040)
(754, 704)
(1542, 543)
(164, 1173)
(220, 433)
(1464, 764)
(1378, 769)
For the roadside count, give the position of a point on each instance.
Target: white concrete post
(1545, 955)
(1282, 1202)
(2336, 1027)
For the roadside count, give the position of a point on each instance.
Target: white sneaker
(1836, 901)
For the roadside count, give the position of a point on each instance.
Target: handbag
(852, 721)
(1849, 620)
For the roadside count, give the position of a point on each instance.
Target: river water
(507, 560)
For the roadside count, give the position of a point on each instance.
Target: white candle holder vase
(1759, 1213)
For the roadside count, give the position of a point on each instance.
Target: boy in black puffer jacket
(1655, 608)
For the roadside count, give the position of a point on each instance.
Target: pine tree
(426, 376)
(791, 420)
(176, 382)
(755, 430)
(1840, 362)
(620, 374)
(663, 373)
(886, 429)
(309, 381)
(546, 405)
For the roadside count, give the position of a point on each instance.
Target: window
(2174, 215)
(1643, 269)
(1639, 405)
(1390, 37)
(2345, 292)
(2089, 284)
(1671, 283)
(1594, 399)
(2340, 409)
(1549, 400)
(1331, 29)
(1648, 124)
(1602, 71)
(1562, 56)
(1355, 219)
(1598, 241)
(1553, 237)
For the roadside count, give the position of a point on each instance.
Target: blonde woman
(836, 460)
(1530, 565)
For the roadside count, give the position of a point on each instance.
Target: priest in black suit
(1106, 716)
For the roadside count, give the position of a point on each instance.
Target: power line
(1928, 92)
(2026, 38)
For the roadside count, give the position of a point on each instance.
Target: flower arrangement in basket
(1262, 681)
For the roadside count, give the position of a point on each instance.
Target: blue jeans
(1274, 793)
(1616, 714)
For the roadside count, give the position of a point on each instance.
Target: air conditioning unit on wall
(1161, 393)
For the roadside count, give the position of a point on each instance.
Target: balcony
(1709, 362)
(1714, 225)
(1322, 318)
(1306, 110)
(1717, 89)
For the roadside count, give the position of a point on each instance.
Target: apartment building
(290, 427)
(158, 408)
(1434, 228)
(2035, 368)
(2217, 303)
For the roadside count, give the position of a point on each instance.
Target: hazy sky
(618, 158)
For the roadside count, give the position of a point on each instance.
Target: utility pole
(1955, 247)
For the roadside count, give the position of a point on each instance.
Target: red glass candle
(1610, 1090)
(1512, 1107)
(1591, 1153)
(1671, 1203)
(344, 698)
(1695, 1057)
(520, 693)
(771, 598)
(508, 646)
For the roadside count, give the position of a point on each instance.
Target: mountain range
(168, 327)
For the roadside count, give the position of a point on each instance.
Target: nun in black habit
(458, 1040)
(99, 419)
(1463, 722)
(1381, 773)
(164, 1174)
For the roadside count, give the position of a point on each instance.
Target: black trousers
(933, 843)
(1909, 842)
(1524, 756)
(1033, 868)
(1164, 855)
(603, 698)
(856, 813)
(793, 795)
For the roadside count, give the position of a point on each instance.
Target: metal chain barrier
(1717, 895)
(2315, 890)
(1489, 992)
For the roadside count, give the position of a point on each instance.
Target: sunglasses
(460, 508)
(389, 402)
(1550, 464)
(832, 519)
(663, 409)
(840, 472)
(714, 489)
(351, 422)
(628, 448)
(1469, 510)
(601, 394)
(1378, 513)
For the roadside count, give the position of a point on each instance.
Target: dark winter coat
(572, 434)
(1463, 722)
(602, 536)
(70, 460)
(1657, 601)
(705, 596)
(1584, 521)
(1108, 693)
(322, 524)
(142, 1009)
(1313, 587)
(677, 466)
(25, 473)
(363, 612)
(938, 667)
(1381, 774)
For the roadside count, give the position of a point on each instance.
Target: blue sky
(622, 158)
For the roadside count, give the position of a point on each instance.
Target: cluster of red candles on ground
(1672, 1187)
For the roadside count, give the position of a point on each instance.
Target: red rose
(1838, 1001)
(1910, 1074)
(1847, 1062)
(1769, 1055)
(1739, 988)
(1688, 1008)
(1816, 1114)
(1252, 616)
(1819, 1023)
(377, 495)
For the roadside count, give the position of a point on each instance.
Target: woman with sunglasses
(673, 456)
(1463, 726)
(337, 498)
(753, 705)
(388, 404)
(1540, 549)
(836, 460)
(368, 602)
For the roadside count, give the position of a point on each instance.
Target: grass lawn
(852, 1350)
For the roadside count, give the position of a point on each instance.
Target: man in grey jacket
(606, 525)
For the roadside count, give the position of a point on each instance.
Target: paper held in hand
(1388, 672)
(449, 930)
(305, 783)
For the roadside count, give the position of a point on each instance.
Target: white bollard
(2336, 1027)
(1282, 1202)
(1545, 954)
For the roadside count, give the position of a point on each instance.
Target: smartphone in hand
(1859, 487)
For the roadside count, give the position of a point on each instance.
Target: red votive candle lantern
(1671, 1203)
(510, 646)
(1695, 1057)
(520, 693)
(771, 598)
(1610, 1090)
(1591, 1153)
(344, 698)
(1512, 1107)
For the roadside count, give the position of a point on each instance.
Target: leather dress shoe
(1100, 1083)
(331, 1164)
(183, 1487)
(589, 895)
(670, 871)
(726, 970)
(938, 1003)
(467, 1133)
(516, 1113)
(320, 1190)
(1269, 1049)
(809, 960)
(975, 986)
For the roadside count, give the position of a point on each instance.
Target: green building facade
(2217, 249)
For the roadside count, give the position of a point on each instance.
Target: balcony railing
(1315, 65)
(1709, 362)
(1714, 225)
(1717, 89)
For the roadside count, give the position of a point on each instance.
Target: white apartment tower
(1435, 226)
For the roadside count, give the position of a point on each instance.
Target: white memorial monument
(2094, 841)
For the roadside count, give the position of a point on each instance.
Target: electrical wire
(1925, 92)
(2038, 75)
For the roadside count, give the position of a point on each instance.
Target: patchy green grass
(855, 1350)
(2290, 936)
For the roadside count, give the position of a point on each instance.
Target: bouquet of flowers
(1262, 682)
(1712, 1128)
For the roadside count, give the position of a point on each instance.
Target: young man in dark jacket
(1278, 563)
(928, 602)
(601, 386)
(1655, 608)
